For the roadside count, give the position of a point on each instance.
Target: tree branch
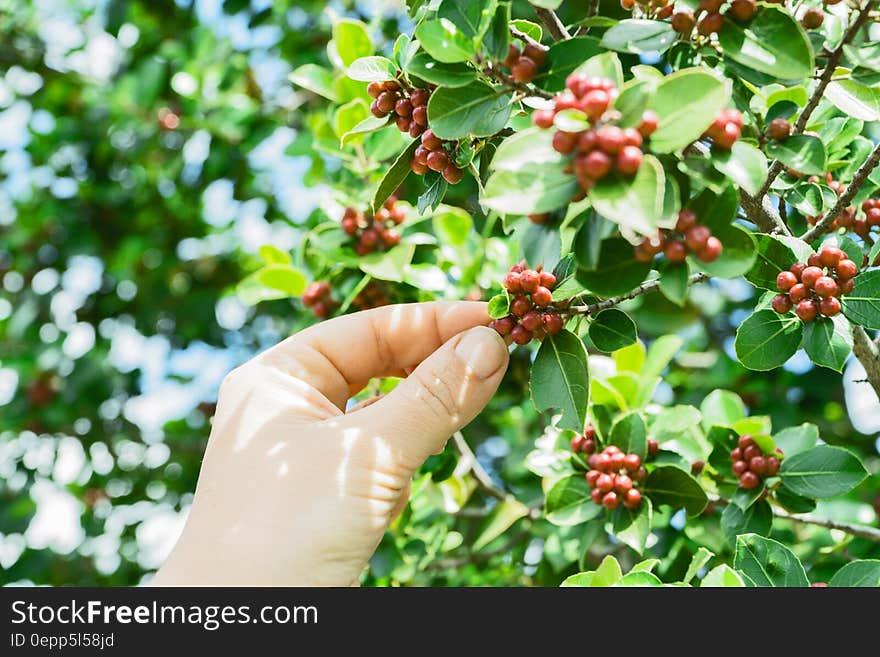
(819, 91)
(644, 288)
(843, 202)
(552, 23)
(479, 472)
(869, 356)
(522, 36)
(862, 531)
(763, 214)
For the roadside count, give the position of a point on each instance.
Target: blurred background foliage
(148, 148)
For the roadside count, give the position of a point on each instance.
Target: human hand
(295, 491)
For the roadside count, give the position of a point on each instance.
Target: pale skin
(293, 490)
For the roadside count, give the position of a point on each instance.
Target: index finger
(347, 351)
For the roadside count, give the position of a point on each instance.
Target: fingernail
(482, 350)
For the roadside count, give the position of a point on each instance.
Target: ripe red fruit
(739, 467)
(431, 141)
(530, 280)
(617, 460)
(543, 118)
(632, 462)
(592, 475)
(806, 310)
(419, 97)
(873, 216)
(683, 22)
(751, 452)
(710, 6)
(745, 442)
(437, 160)
(711, 251)
(504, 325)
(813, 18)
(420, 115)
(605, 483)
(729, 134)
(593, 461)
(374, 89)
(650, 122)
(612, 449)
(826, 287)
(520, 306)
(452, 174)
(736, 454)
(320, 310)
(370, 237)
(596, 495)
(798, 293)
(641, 474)
(632, 136)
(785, 280)
(611, 501)
(535, 52)
(846, 269)
(590, 431)
(813, 261)
(421, 154)
(771, 465)
(697, 467)
(532, 320)
(418, 168)
(847, 286)
(586, 141)
(548, 280)
(779, 129)
(782, 304)
(757, 464)
(520, 334)
(552, 323)
(595, 165)
(675, 251)
(564, 142)
(830, 256)
(390, 237)
(686, 220)
(797, 269)
(512, 55)
(386, 101)
(610, 139)
(632, 499)
(576, 444)
(595, 103)
(374, 109)
(542, 296)
(629, 160)
(403, 107)
(603, 462)
(653, 447)
(622, 483)
(524, 70)
(811, 275)
(829, 307)
(696, 236)
(710, 23)
(742, 10)
(749, 480)
(513, 282)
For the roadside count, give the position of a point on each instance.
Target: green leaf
(772, 43)
(686, 102)
(499, 306)
(737, 255)
(673, 421)
(639, 36)
(452, 225)
(316, 79)
(804, 153)
(272, 255)
(701, 557)
(447, 75)
(756, 519)
(352, 41)
(793, 502)
(670, 485)
(722, 576)
(828, 341)
(372, 69)
(604, 65)
(499, 520)
(645, 566)
(559, 379)
(855, 99)
(530, 149)
(822, 471)
(563, 58)
(766, 562)
(530, 29)
(635, 204)
(445, 42)
(633, 100)
(472, 18)
(807, 198)
(283, 278)
(617, 271)
(772, 256)
(477, 109)
(722, 408)
(568, 502)
(766, 340)
(369, 124)
(571, 120)
(744, 164)
(608, 573)
(435, 190)
(863, 573)
(578, 579)
(633, 527)
(395, 175)
(640, 579)
(862, 305)
(528, 192)
(674, 282)
(630, 434)
(612, 329)
(793, 440)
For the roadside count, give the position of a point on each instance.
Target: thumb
(443, 394)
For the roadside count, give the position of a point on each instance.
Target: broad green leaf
(772, 256)
(530, 149)
(822, 471)
(766, 562)
(772, 43)
(638, 36)
(530, 29)
(563, 58)
(722, 408)
(540, 244)
(793, 440)
(687, 102)
(284, 278)
(635, 204)
(477, 109)
(496, 39)
(578, 579)
(316, 79)
(372, 69)
(390, 265)
(630, 434)
(737, 255)
(272, 255)
(673, 421)
(793, 502)
(608, 573)
(640, 579)
(674, 282)
(525, 191)
(807, 198)
(472, 18)
(617, 272)
(559, 379)
(395, 175)
(633, 100)
(351, 40)
(452, 225)
(499, 306)
(645, 566)
(612, 329)
(756, 519)
(743, 164)
(670, 485)
(633, 527)
(445, 42)
(701, 557)
(804, 153)
(367, 125)
(855, 99)
(605, 65)
(499, 520)
(722, 576)
(863, 573)
(568, 502)
(447, 75)
(828, 341)
(766, 340)
(862, 305)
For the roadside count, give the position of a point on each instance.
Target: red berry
(418, 168)
(745, 442)
(530, 280)
(653, 447)
(641, 474)
(592, 475)
(605, 483)
(812, 261)
(749, 480)
(374, 89)
(532, 320)
(629, 159)
(847, 286)
(650, 122)
(751, 452)
(632, 499)
(520, 334)
(420, 115)
(590, 431)
(543, 118)
(729, 134)
(846, 269)
(830, 255)
(542, 296)
(813, 18)
(589, 446)
(683, 22)
(504, 325)
(622, 483)
(632, 462)
(611, 501)
(742, 11)
(596, 495)
(320, 310)
(806, 310)
(595, 165)
(524, 70)
(811, 275)
(675, 251)
(610, 139)
(710, 23)
(779, 129)
(797, 269)
(390, 237)
(617, 460)
(829, 307)
(711, 251)
(548, 280)
(386, 101)
(595, 103)
(452, 174)
(419, 97)
(552, 323)
(593, 462)
(564, 142)
(782, 304)
(513, 282)
(798, 293)
(431, 141)
(785, 280)
(739, 467)
(603, 462)
(710, 6)
(736, 454)
(771, 465)
(873, 216)
(696, 237)
(633, 137)
(520, 306)
(437, 160)
(612, 449)
(403, 107)
(512, 55)
(757, 464)
(535, 52)
(826, 287)
(576, 443)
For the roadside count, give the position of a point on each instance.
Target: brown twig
(552, 23)
(644, 288)
(522, 36)
(763, 214)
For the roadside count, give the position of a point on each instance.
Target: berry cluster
(603, 147)
(815, 287)
(532, 311)
(409, 107)
(372, 296)
(687, 237)
(711, 20)
(374, 231)
(750, 463)
(613, 476)
(524, 65)
(317, 297)
(432, 154)
(725, 129)
(585, 443)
